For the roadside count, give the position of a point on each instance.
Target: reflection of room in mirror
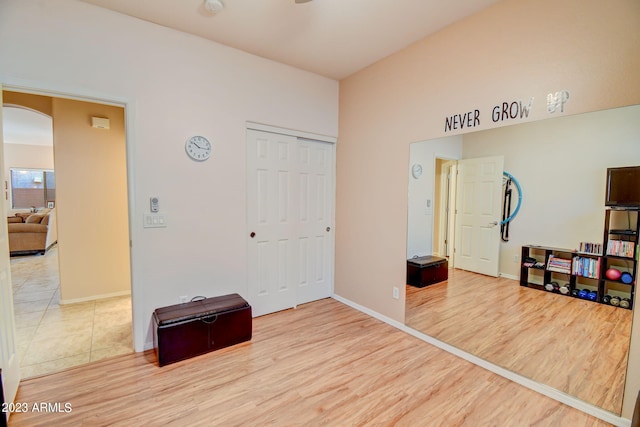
(540, 335)
(578, 347)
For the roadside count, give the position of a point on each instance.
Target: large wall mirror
(575, 345)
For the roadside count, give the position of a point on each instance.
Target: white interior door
(314, 221)
(451, 223)
(478, 213)
(290, 214)
(9, 360)
(444, 205)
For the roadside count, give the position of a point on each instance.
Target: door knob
(493, 224)
(328, 229)
(252, 235)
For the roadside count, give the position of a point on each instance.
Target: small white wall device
(155, 218)
(100, 123)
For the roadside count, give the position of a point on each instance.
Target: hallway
(52, 337)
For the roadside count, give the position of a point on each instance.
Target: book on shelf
(586, 267)
(559, 265)
(621, 248)
(590, 248)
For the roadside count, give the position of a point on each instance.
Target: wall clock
(198, 148)
(416, 170)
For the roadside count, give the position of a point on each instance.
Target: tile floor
(52, 337)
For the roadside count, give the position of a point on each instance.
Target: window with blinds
(32, 188)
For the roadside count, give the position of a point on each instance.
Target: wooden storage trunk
(427, 270)
(185, 330)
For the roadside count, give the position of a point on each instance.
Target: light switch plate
(155, 220)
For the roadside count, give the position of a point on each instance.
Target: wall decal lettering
(507, 110)
(557, 100)
(511, 110)
(460, 121)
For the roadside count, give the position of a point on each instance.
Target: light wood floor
(321, 364)
(577, 346)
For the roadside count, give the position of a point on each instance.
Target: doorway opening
(83, 278)
(444, 208)
(454, 208)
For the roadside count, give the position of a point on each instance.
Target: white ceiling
(333, 38)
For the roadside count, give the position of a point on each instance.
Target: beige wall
(28, 100)
(515, 50)
(25, 156)
(91, 200)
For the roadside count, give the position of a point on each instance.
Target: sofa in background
(31, 232)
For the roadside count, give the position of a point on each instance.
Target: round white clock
(416, 170)
(198, 148)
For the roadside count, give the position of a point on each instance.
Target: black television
(623, 187)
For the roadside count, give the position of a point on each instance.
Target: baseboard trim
(509, 276)
(523, 381)
(94, 297)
